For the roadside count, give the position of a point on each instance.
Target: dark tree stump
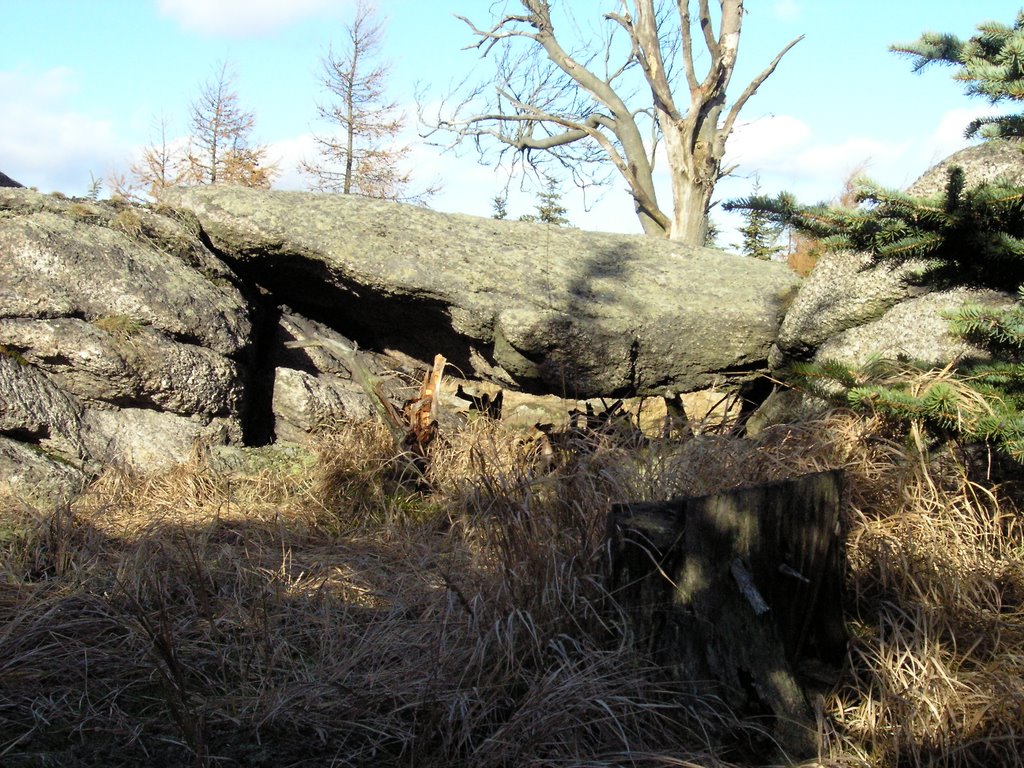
(733, 592)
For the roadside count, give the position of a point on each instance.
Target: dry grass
(364, 614)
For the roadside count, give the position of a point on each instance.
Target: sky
(82, 83)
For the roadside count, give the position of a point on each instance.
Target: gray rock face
(983, 163)
(915, 329)
(81, 262)
(546, 309)
(313, 389)
(146, 440)
(28, 474)
(851, 307)
(304, 403)
(33, 408)
(843, 291)
(122, 340)
(117, 362)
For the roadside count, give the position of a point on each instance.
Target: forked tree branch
(570, 103)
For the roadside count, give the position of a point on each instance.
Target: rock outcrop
(315, 389)
(130, 333)
(851, 309)
(7, 181)
(547, 310)
(122, 339)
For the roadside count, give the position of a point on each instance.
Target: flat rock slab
(546, 309)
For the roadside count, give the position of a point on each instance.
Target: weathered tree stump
(734, 592)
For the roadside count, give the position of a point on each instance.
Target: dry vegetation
(351, 614)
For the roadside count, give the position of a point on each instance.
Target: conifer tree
(991, 63)
(964, 237)
(549, 205)
(363, 156)
(499, 204)
(760, 232)
(220, 151)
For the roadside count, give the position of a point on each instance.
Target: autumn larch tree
(160, 166)
(220, 151)
(362, 158)
(580, 104)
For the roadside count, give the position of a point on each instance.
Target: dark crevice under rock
(375, 321)
(258, 406)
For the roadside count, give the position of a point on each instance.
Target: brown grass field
(346, 613)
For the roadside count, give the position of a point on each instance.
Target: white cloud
(787, 10)
(783, 150)
(46, 144)
(855, 155)
(241, 18)
(288, 154)
(948, 136)
(763, 142)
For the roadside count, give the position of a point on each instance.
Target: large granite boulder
(122, 338)
(540, 308)
(851, 309)
(982, 164)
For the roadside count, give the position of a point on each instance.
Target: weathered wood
(421, 412)
(731, 592)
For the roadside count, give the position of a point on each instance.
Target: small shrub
(120, 327)
(84, 212)
(13, 354)
(129, 222)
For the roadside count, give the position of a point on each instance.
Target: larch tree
(581, 104)
(161, 165)
(220, 151)
(362, 156)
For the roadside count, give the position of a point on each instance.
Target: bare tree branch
(752, 87)
(557, 101)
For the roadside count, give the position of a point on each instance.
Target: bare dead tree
(586, 108)
(363, 157)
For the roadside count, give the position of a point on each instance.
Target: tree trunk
(695, 170)
(690, 214)
(733, 592)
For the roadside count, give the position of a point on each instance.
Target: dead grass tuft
(365, 613)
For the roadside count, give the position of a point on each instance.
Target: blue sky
(81, 82)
